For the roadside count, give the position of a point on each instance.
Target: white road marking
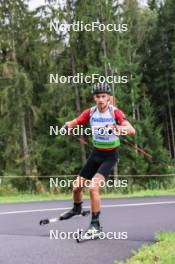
(103, 206)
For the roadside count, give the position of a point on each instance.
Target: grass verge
(25, 197)
(161, 252)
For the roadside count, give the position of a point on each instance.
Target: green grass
(161, 252)
(25, 197)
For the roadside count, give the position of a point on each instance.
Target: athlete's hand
(121, 130)
(64, 129)
(111, 129)
(116, 129)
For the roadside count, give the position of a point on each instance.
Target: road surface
(23, 241)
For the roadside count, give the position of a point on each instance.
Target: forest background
(30, 104)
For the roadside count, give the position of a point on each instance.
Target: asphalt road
(23, 241)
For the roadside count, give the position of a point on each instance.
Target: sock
(95, 219)
(78, 207)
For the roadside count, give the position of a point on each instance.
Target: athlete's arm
(126, 128)
(82, 119)
(123, 126)
(71, 124)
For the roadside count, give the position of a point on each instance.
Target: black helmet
(101, 88)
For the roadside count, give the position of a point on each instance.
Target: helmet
(101, 88)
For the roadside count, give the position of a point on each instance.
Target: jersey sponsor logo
(102, 119)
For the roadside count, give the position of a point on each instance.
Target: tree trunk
(171, 125)
(103, 40)
(115, 170)
(138, 113)
(78, 107)
(21, 113)
(77, 96)
(25, 146)
(168, 136)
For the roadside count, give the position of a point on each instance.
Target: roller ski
(75, 211)
(92, 233)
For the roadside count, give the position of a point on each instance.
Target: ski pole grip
(65, 126)
(64, 129)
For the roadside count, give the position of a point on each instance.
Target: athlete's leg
(77, 198)
(78, 189)
(94, 189)
(87, 172)
(97, 182)
(108, 160)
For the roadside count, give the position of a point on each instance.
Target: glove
(110, 129)
(64, 129)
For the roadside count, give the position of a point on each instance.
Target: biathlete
(104, 154)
